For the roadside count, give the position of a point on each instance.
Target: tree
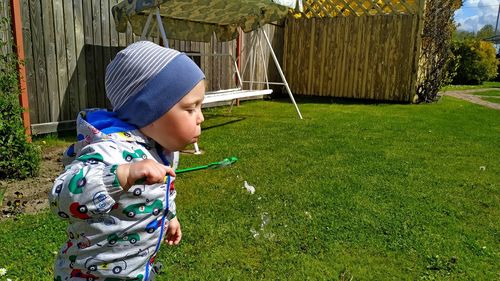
(476, 61)
(463, 34)
(485, 32)
(435, 51)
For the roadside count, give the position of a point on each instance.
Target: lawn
(487, 84)
(376, 192)
(493, 93)
(494, 99)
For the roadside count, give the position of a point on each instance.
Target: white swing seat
(232, 94)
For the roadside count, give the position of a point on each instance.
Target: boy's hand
(148, 170)
(174, 233)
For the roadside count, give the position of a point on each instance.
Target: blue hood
(107, 122)
(94, 125)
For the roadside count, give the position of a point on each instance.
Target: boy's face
(180, 126)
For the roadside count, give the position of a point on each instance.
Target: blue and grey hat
(145, 80)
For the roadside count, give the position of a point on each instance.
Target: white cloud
(477, 13)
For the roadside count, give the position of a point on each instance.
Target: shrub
(476, 61)
(435, 56)
(18, 157)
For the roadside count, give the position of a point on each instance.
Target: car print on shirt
(132, 238)
(79, 274)
(102, 202)
(79, 211)
(104, 219)
(72, 260)
(129, 156)
(83, 241)
(93, 158)
(58, 188)
(69, 244)
(125, 136)
(153, 226)
(116, 266)
(139, 190)
(77, 182)
(141, 208)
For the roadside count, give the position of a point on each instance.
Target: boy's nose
(200, 118)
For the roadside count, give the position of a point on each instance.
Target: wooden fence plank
(105, 45)
(29, 62)
(352, 56)
(345, 47)
(359, 56)
(366, 62)
(62, 67)
(329, 65)
(322, 52)
(311, 59)
(72, 93)
(89, 53)
(115, 38)
(44, 60)
(377, 38)
(80, 54)
(5, 34)
(98, 53)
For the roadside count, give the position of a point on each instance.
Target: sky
(474, 14)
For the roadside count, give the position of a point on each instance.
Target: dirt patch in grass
(31, 195)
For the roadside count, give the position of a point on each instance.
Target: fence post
(18, 39)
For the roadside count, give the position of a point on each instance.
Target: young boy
(117, 190)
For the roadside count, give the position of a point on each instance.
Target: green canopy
(198, 20)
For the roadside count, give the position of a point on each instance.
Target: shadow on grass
(213, 116)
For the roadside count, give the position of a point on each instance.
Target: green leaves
(476, 61)
(18, 158)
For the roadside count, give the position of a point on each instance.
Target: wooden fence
(5, 34)
(330, 51)
(68, 44)
(363, 52)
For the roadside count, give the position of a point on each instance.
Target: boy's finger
(177, 240)
(171, 172)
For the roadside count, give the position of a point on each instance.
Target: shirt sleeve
(84, 189)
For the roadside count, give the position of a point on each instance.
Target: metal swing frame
(235, 93)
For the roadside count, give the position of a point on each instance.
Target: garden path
(468, 96)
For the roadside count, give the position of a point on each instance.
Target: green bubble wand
(214, 165)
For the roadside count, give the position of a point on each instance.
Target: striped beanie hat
(145, 80)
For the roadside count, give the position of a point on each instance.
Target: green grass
(488, 84)
(381, 191)
(493, 93)
(495, 100)
(2, 192)
(55, 139)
